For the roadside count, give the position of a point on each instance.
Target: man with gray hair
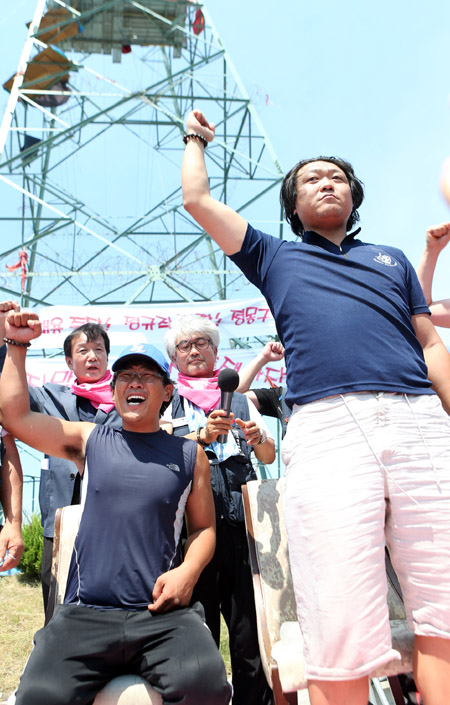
(225, 586)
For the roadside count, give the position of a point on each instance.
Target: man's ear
(69, 363)
(168, 391)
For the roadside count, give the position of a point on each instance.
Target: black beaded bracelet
(16, 342)
(195, 136)
(199, 440)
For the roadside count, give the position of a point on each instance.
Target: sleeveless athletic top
(138, 486)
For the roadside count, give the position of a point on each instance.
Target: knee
(206, 683)
(210, 692)
(38, 693)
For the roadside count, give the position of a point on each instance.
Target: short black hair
(92, 331)
(288, 193)
(164, 378)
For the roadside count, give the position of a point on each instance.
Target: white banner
(41, 371)
(129, 324)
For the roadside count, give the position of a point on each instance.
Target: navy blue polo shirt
(342, 313)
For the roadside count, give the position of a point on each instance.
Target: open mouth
(135, 399)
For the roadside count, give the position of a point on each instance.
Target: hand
(272, 352)
(5, 307)
(218, 422)
(22, 326)
(172, 589)
(438, 237)
(196, 122)
(10, 540)
(251, 431)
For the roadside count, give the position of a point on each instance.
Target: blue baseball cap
(144, 352)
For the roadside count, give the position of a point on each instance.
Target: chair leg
(396, 690)
(281, 698)
(291, 698)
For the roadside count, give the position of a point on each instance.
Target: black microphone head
(228, 380)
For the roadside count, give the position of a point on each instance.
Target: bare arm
(255, 431)
(174, 588)
(226, 227)
(445, 180)
(265, 452)
(11, 500)
(271, 352)
(48, 434)
(436, 356)
(437, 238)
(440, 313)
(251, 396)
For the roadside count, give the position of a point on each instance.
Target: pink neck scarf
(201, 391)
(99, 393)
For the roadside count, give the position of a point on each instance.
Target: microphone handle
(225, 403)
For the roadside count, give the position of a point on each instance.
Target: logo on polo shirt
(173, 466)
(385, 259)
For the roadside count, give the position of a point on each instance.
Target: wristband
(199, 440)
(9, 341)
(195, 136)
(263, 438)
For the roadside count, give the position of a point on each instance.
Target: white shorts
(363, 470)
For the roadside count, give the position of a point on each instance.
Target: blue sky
(366, 81)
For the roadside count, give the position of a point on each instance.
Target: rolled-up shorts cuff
(347, 674)
(428, 630)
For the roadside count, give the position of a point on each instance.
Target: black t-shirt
(270, 401)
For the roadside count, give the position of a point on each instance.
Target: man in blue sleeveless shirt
(366, 451)
(126, 607)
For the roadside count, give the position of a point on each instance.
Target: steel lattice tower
(91, 151)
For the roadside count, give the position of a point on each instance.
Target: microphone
(228, 381)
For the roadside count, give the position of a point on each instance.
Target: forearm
(425, 272)
(14, 399)
(265, 452)
(440, 313)
(199, 549)
(194, 177)
(12, 483)
(248, 373)
(174, 588)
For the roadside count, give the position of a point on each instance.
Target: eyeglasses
(185, 346)
(145, 377)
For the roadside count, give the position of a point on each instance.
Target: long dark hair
(288, 193)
